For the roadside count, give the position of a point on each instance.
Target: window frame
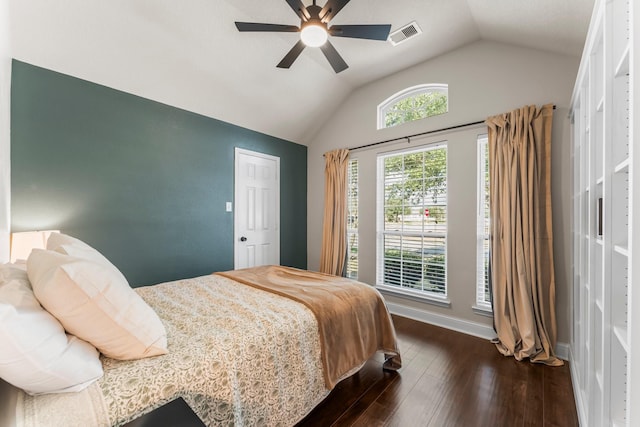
(420, 295)
(483, 230)
(385, 106)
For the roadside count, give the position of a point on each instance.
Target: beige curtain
(522, 273)
(334, 226)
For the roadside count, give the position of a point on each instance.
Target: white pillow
(35, 353)
(93, 301)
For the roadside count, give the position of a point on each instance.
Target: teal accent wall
(143, 182)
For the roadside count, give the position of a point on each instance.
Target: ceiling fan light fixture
(314, 35)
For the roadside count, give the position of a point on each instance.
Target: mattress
(237, 355)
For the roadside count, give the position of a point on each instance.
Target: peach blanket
(353, 320)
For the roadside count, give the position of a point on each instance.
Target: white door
(257, 209)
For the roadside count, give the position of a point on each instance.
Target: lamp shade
(22, 243)
(314, 35)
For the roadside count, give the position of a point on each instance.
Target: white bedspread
(238, 356)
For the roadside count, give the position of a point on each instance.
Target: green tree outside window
(413, 104)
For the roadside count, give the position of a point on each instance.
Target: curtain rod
(408, 137)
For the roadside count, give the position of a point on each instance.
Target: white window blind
(352, 219)
(483, 296)
(412, 221)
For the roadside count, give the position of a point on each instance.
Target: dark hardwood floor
(449, 379)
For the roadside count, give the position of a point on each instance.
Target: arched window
(413, 103)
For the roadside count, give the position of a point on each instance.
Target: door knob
(243, 239)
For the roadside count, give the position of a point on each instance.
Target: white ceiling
(188, 53)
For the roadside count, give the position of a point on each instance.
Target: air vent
(404, 33)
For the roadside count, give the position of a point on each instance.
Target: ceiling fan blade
(331, 9)
(299, 8)
(333, 57)
(292, 55)
(370, 32)
(254, 26)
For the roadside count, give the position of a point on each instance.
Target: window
(412, 222)
(352, 219)
(483, 296)
(414, 103)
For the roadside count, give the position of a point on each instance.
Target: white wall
(5, 104)
(8, 394)
(484, 78)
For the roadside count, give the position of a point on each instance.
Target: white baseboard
(465, 326)
(581, 405)
(459, 325)
(563, 350)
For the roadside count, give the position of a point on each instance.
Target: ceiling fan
(314, 31)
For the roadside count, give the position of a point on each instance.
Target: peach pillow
(57, 239)
(68, 245)
(94, 301)
(35, 353)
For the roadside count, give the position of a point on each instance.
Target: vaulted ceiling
(189, 54)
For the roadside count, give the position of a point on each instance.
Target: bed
(259, 346)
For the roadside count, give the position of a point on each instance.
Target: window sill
(415, 296)
(482, 311)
